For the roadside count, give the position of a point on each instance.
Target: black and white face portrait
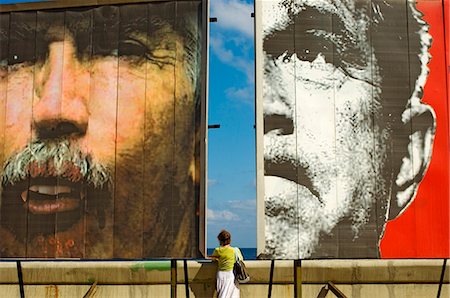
(339, 91)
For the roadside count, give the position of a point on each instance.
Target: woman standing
(226, 284)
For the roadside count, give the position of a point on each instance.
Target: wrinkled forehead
(106, 23)
(278, 14)
(106, 18)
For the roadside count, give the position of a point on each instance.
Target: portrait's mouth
(52, 187)
(48, 196)
(289, 171)
(47, 205)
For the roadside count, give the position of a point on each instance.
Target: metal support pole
(272, 266)
(298, 278)
(441, 280)
(335, 290)
(173, 278)
(186, 278)
(330, 287)
(20, 277)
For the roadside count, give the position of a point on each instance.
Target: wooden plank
(103, 126)
(203, 273)
(19, 97)
(4, 51)
(132, 79)
(8, 272)
(154, 272)
(159, 132)
(187, 138)
(10, 290)
(275, 45)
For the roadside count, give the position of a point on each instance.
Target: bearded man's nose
(61, 94)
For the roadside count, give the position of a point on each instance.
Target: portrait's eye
(312, 45)
(133, 47)
(16, 59)
(21, 57)
(137, 51)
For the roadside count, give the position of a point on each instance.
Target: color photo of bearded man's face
(97, 126)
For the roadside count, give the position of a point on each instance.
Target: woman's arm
(214, 256)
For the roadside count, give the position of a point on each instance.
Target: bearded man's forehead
(93, 30)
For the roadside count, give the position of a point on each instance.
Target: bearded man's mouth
(49, 187)
(46, 205)
(48, 196)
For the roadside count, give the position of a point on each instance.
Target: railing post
(441, 280)
(186, 278)
(298, 278)
(173, 278)
(272, 267)
(20, 277)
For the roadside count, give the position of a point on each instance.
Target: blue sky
(231, 148)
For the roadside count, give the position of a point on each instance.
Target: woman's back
(226, 257)
(226, 284)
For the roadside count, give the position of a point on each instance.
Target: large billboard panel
(102, 128)
(352, 129)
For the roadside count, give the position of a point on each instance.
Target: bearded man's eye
(133, 47)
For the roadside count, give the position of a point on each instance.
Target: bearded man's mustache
(55, 158)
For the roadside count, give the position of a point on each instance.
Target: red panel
(423, 230)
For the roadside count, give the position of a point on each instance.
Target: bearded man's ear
(419, 120)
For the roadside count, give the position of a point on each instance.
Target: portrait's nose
(61, 94)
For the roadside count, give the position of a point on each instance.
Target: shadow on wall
(202, 285)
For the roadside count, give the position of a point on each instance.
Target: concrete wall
(355, 278)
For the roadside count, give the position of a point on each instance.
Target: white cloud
(231, 41)
(219, 49)
(242, 94)
(243, 204)
(212, 182)
(233, 15)
(224, 215)
(227, 56)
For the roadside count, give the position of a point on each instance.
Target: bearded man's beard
(142, 205)
(57, 202)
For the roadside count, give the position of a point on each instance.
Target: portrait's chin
(295, 219)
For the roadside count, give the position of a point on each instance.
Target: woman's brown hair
(224, 237)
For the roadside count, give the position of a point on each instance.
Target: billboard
(352, 129)
(102, 128)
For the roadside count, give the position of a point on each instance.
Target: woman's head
(224, 238)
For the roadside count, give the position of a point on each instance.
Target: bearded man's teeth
(50, 189)
(24, 195)
(45, 189)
